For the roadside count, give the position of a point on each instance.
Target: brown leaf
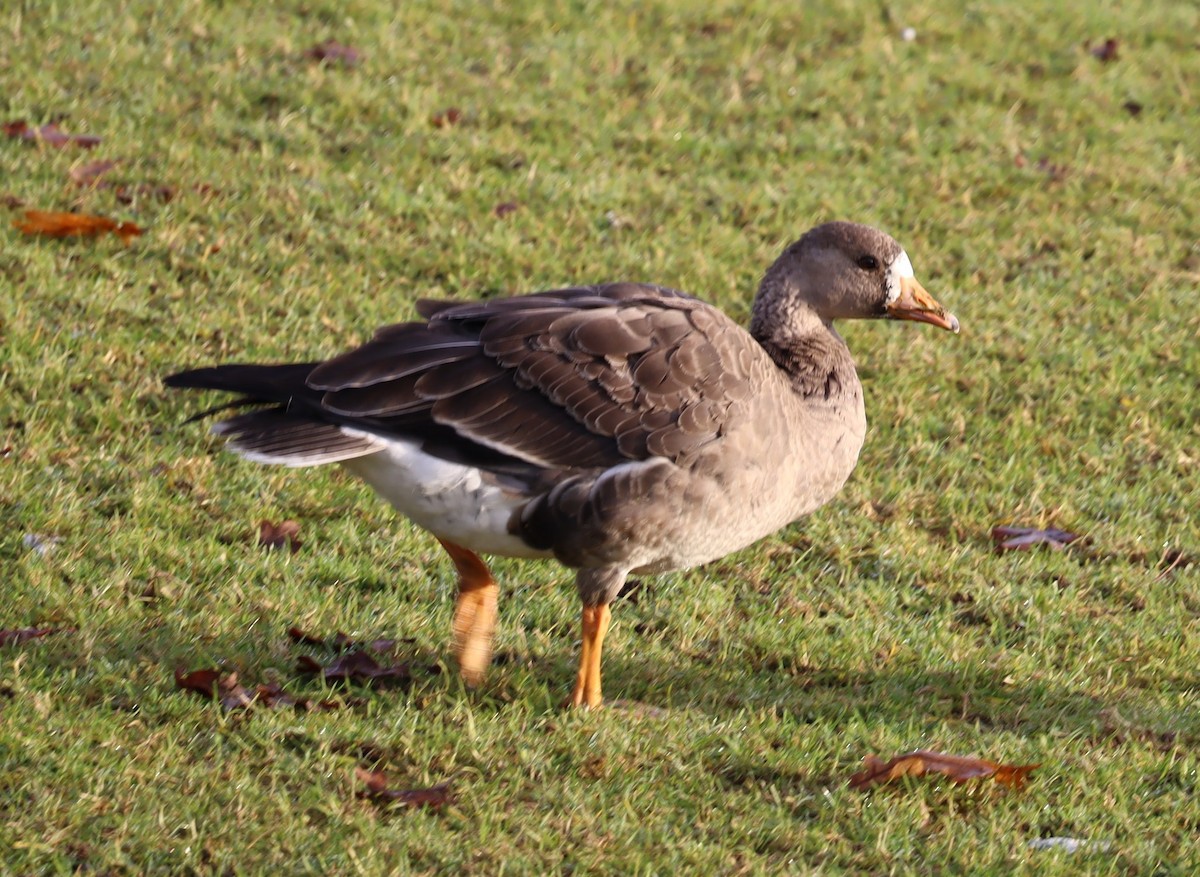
(333, 52)
(505, 207)
(308, 664)
(340, 641)
(202, 681)
(1025, 538)
(446, 118)
(1014, 776)
(876, 771)
(12, 202)
(24, 634)
(272, 535)
(356, 666)
(233, 695)
(209, 682)
(299, 636)
(63, 225)
(1134, 108)
(49, 134)
(127, 193)
(89, 174)
(434, 797)
(1105, 52)
(272, 695)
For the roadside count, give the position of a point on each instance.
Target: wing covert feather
(571, 379)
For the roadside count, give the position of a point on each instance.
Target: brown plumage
(619, 428)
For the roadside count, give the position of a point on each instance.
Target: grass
(682, 143)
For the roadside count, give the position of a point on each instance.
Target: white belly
(451, 500)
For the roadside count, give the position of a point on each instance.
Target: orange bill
(914, 303)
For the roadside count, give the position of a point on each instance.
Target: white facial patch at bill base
(901, 269)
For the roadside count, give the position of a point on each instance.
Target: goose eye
(868, 263)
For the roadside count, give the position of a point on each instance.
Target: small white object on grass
(43, 545)
(1070, 844)
(908, 34)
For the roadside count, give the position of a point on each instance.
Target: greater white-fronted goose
(623, 428)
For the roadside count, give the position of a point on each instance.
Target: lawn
(1047, 190)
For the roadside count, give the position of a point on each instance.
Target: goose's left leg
(597, 589)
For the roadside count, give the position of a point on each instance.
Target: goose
(623, 428)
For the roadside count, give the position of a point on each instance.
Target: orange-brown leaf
(64, 225)
(434, 797)
(876, 771)
(284, 534)
(446, 118)
(1013, 775)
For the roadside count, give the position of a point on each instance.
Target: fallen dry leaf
(446, 117)
(333, 52)
(210, 681)
(876, 771)
(356, 666)
(1134, 108)
(273, 695)
(49, 134)
(89, 174)
(504, 208)
(1025, 538)
(127, 193)
(13, 636)
(281, 535)
(232, 695)
(340, 641)
(65, 225)
(434, 797)
(12, 202)
(1106, 52)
